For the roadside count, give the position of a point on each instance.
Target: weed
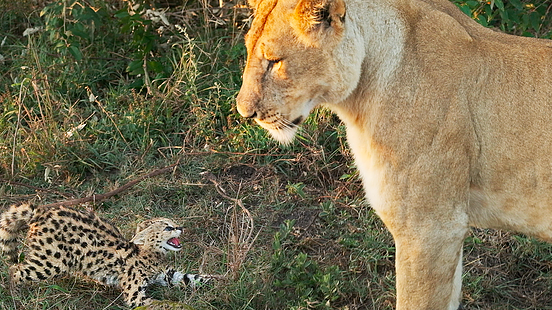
(521, 17)
(299, 280)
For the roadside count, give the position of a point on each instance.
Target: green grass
(85, 111)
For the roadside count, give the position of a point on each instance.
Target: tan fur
(449, 122)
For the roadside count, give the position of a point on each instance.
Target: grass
(87, 110)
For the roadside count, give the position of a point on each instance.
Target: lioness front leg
(428, 277)
(429, 262)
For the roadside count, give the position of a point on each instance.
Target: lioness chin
(449, 122)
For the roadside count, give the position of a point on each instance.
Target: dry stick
(100, 197)
(38, 189)
(249, 240)
(209, 176)
(20, 103)
(213, 152)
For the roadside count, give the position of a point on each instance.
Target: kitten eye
(169, 228)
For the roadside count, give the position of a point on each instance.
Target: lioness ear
(260, 4)
(319, 21)
(253, 4)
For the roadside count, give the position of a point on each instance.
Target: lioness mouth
(297, 121)
(175, 243)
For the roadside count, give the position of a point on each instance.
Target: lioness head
(297, 51)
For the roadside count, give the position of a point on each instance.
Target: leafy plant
(300, 279)
(522, 17)
(72, 25)
(296, 189)
(145, 60)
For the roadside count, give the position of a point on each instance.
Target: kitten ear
(319, 22)
(143, 225)
(140, 237)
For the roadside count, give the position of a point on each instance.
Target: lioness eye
(271, 63)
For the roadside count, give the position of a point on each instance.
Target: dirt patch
(241, 172)
(304, 218)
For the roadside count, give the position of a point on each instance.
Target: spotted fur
(62, 241)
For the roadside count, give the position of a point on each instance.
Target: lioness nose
(245, 108)
(252, 114)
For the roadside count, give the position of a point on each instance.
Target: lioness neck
(375, 49)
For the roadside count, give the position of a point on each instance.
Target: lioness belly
(522, 212)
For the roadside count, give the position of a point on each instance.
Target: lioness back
(449, 122)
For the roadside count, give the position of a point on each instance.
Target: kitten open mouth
(175, 243)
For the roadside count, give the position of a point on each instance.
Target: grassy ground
(98, 97)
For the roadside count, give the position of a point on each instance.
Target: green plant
(146, 63)
(300, 279)
(296, 189)
(522, 17)
(72, 25)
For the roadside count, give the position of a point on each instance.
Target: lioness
(449, 122)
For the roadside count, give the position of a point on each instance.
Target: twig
(147, 80)
(38, 189)
(16, 132)
(209, 176)
(100, 197)
(241, 236)
(212, 152)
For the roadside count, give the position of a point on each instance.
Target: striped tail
(12, 222)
